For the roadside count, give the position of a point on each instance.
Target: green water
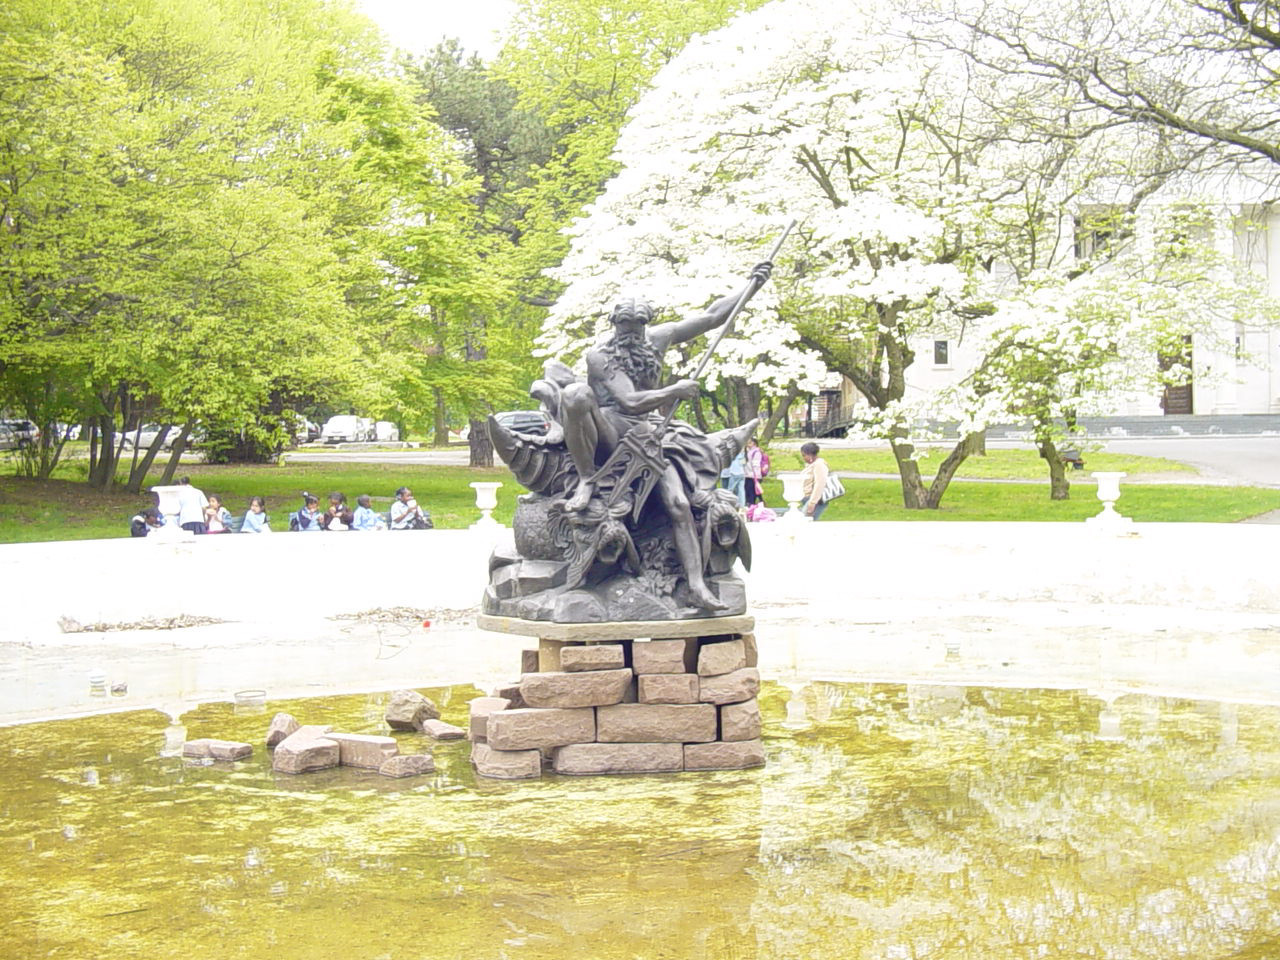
(892, 822)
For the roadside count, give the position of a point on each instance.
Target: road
(1249, 461)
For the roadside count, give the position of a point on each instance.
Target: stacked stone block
(629, 706)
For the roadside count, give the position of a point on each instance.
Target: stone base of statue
(535, 577)
(622, 697)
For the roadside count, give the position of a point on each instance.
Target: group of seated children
(217, 519)
(405, 514)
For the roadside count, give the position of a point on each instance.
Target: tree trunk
(748, 399)
(978, 445)
(440, 427)
(175, 457)
(50, 451)
(779, 413)
(133, 463)
(947, 469)
(480, 443)
(699, 416)
(139, 471)
(1059, 485)
(104, 474)
(92, 430)
(914, 495)
(478, 438)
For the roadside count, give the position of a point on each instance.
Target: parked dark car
(524, 421)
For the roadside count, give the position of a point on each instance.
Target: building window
(1095, 227)
(942, 353)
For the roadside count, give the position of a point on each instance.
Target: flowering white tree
(923, 209)
(1061, 345)
(794, 111)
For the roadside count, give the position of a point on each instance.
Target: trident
(641, 446)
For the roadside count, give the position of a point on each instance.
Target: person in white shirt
(406, 514)
(191, 506)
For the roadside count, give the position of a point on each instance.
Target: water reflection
(905, 821)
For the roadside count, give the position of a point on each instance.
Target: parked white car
(346, 428)
(386, 431)
(151, 433)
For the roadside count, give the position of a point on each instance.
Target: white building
(1235, 367)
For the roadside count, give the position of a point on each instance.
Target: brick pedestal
(614, 698)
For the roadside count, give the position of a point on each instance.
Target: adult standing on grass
(406, 514)
(191, 506)
(814, 478)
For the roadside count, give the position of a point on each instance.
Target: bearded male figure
(624, 389)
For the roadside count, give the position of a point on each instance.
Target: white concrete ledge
(835, 568)
(1188, 609)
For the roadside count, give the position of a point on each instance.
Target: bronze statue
(591, 544)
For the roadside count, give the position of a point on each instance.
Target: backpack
(764, 464)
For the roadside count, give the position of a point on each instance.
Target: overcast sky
(418, 25)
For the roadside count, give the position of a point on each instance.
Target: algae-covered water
(891, 822)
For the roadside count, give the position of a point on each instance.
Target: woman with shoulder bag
(821, 486)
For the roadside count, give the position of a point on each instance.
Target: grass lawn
(997, 464)
(1150, 503)
(66, 509)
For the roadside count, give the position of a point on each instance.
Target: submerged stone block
(304, 750)
(597, 656)
(480, 708)
(664, 656)
(281, 726)
(740, 721)
(592, 688)
(720, 755)
(439, 730)
(217, 749)
(724, 656)
(656, 723)
(407, 709)
(408, 765)
(362, 750)
(586, 759)
(529, 729)
(667, 688)
(731, 687)
(506, 764)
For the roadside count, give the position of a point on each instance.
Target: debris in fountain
(414, 615)
(71, 625)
